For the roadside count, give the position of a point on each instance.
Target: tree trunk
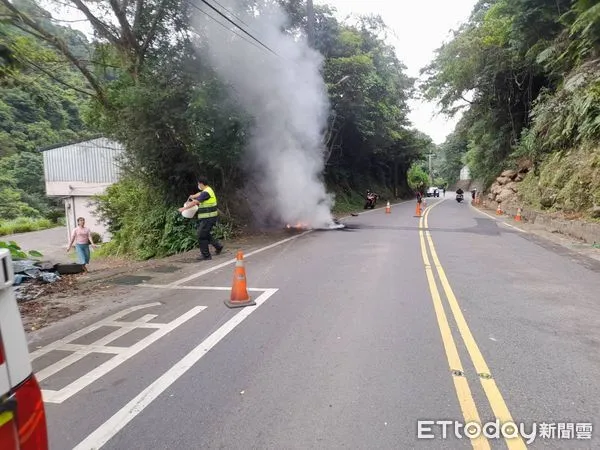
(310, 13)
(395, 177)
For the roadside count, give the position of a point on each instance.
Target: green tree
(146, 87)
(418, 179)
(509, 55)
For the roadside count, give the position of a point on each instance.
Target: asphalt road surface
(357, 335)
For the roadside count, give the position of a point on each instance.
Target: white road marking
(82, 332)
(121, 418)
(83, 350)
(498, 220)
(381, 208)
(232, 261)
(197, 288)
(257, 251)
(121, 354)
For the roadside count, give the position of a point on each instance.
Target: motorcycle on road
(371, 200)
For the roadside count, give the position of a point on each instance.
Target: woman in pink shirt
(82, 237)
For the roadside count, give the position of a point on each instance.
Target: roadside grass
(25, 225)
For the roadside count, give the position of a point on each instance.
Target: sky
(417, 28)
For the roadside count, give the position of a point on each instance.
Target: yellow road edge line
(489, 385)
(461, 385)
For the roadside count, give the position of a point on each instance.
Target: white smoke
(287, 98)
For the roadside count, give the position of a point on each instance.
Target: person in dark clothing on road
(208, 215)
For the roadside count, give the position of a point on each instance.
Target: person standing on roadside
(82, 237)
(208, 214)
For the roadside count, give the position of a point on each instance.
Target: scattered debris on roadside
(34, 278)
(37, 314)
(37, 287)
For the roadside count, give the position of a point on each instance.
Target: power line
(236, 25)
(262, 45)
(223, 25)
(234, 15)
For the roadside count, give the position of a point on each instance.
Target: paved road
(52, 243)
(357, 335)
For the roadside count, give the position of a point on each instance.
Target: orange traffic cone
(239, 291)
(498, 210)
(518, 216)
(418, 211)
(388, 208)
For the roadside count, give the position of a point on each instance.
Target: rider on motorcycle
(371, 199)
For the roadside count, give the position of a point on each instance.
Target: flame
(298, 226)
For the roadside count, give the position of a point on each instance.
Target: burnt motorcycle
(459, 197)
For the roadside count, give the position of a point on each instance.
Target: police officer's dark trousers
(205, 236)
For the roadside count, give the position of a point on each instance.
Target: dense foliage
(526, 75)
(145, 86)
(40, 94)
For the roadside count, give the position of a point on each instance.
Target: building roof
(67, 144)
(88, 161)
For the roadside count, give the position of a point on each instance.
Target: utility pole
(310, 15)
(430, 171)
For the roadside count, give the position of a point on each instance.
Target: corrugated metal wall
(94, 161)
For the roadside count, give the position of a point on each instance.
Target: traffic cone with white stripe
(388, 208)
(518, 216)
(239, 290)
(498, 210)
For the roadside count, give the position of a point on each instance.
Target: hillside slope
(558, 158)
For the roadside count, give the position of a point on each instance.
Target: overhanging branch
(102, 28)
(53, 77)
(57, 43)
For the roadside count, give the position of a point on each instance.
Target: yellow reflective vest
(208, 208)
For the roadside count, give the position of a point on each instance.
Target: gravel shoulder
(111, 279)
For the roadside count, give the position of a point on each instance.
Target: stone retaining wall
(588, 232)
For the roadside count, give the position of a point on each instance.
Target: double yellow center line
(465, 398)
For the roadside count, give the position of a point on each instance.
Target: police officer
(208, 214)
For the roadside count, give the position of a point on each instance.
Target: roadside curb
(500, 219)
(564, 241)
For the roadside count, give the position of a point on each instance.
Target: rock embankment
(505, 190)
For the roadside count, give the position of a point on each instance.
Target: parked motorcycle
(459, 198)
(371, 200)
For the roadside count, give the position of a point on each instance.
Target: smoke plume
(287, 99)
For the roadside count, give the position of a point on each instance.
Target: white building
(465, 173)
(76, 172)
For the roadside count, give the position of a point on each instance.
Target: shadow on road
(486, 227)
(490, 227)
